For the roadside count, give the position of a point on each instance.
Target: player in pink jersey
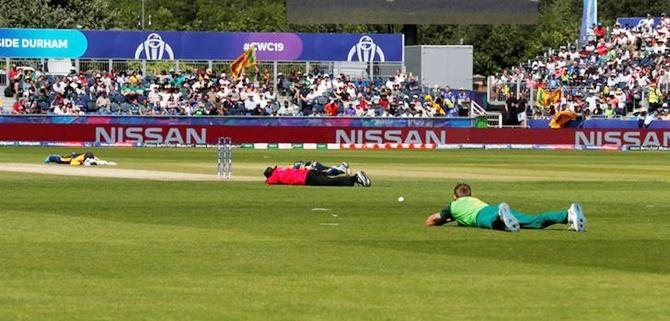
(302, 176)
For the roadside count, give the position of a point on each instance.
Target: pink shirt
(287, 176)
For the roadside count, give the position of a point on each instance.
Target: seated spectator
(664, 114)
(331, 109)
(19, 107)
(135, 108)
(103, 103)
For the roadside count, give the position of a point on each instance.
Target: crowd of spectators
(622, 70)
(201, 92)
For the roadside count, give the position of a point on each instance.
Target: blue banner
(37, 43)
(589, 18)
(169, 45)
(635, 21)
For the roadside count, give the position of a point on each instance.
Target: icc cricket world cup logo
(154, 48)
(365, 50)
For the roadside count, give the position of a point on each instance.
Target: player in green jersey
(471, 211)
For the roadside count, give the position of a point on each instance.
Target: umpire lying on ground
(302, 176)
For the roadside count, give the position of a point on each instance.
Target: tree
(88, 14)
(608, 11)
(28, 14)
(558, 25)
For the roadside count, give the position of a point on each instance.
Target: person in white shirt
(390, 82)
(79, 88)
(58, 110)
(643, 81)
(153, 96)
(222, 93)
(592, 101)
(311, 96)
(94, 90)
(400, 76)
(163, 102)
(611, 81)
(648, 22)
(244, 94)
(590, 47)
(270, 95)
(621, 98)
(107, 82)
(351, 90)
(59, 87)
(616, 30)
(659, 47)
(284, 109)
(322, 87)
(260, 101)
(338, 84)
(249, 104)
(103, 102)
(197, 86)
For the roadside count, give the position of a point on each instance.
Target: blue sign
(589, 18)
(37, 43)
(635, 21)
(168, 45)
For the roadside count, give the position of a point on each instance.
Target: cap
(268, 171)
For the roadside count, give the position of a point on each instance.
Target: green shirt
(464, 210)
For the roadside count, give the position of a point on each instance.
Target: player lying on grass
(77, 159)
(303, 176)
(341, 169)
(470, 211)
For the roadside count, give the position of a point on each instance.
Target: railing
(493, 118)
(363, 70)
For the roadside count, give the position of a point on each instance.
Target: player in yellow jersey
(77, 159)
(471, 211)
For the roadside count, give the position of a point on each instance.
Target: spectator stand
(269, 72)
(620, 73)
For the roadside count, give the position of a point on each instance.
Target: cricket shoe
(344, 168)
(363, 179)
(505, 215)
(576, 218)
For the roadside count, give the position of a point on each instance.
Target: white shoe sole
(363, 179)
(505, 214)
(576, 218)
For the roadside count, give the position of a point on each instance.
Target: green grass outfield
(84, 248)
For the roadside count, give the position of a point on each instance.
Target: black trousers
(315, 178)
